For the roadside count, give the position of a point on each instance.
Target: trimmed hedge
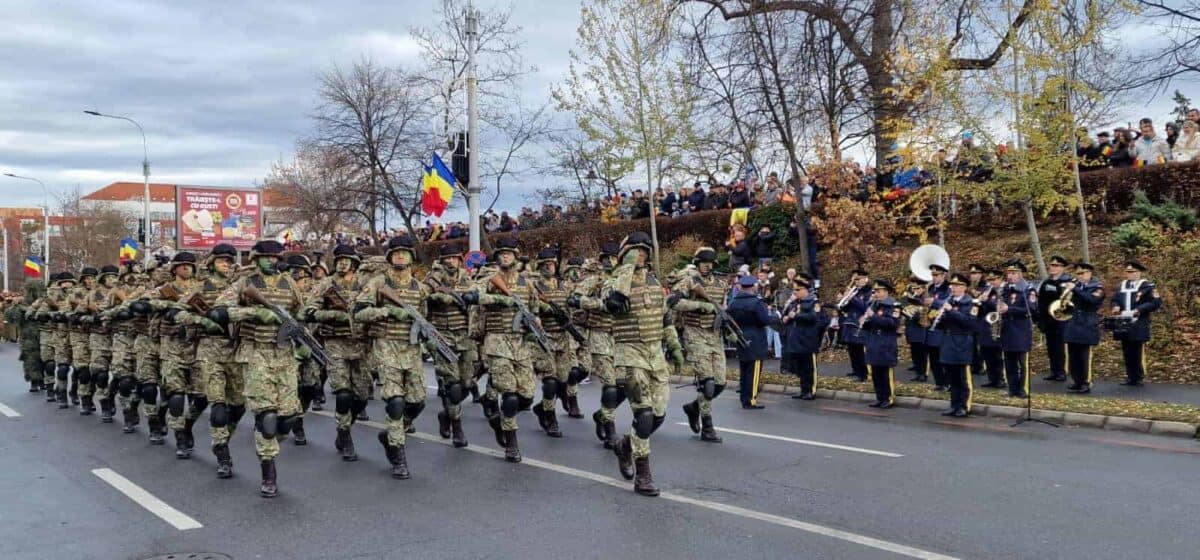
(1172, 181)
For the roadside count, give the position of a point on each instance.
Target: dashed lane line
(149, 501)
(813, 443)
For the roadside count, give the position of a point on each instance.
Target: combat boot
(74, 392)
(395, 456)
(268, 488)
(35, 386)
(162, 421)
(61, 395)
(552, 428)
(318, 403)
(601, 432)
(460, 439)
(86, 405)
(154, 423)
(512, 452)
(131, 419)
(540, 413)
(643, 483)
(443, 424)
(707, 432)
(51, 394)
(298, 435)
(181, 445)
(190, 442)
(692, 410)
(474, 393)
(624, 452)
(611, 428)
(573, 406)
(345, 444)
(494, 422)
(107, 410)
(224, 460)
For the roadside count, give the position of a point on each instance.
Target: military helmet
(573, 262)
(635, 240)
(704, 254)
(183, 258)
(64, 277)
(549, 254)
(449, 250)
(266, 247)
(402, 242)
(609, 249)
(88, 271)
(343, 251)
(109, 270)
(507, 244)
(297, 260)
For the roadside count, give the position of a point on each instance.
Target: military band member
(977, 284)
(401, 368)
(695, 299)
(598, 322)
(641, 325)
(989, 348)
(936, 295)
(101, 342)
(448, 313)
(881, 329)
(916, 327)
(958, 325)
(553, 367)
(804, 325)
(850, 310)
(1134, 301)
(1050, 290)
(1082, 330)
(1017, 306)
(271, 370)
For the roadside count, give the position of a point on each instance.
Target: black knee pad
(524, 403)
(148, 392)
(100, 378)
(549, 387)
(267, 423)
(284, 424)
(395, 408)
(413, 409)
(707, 387)
(307, 393)
(175, 404)
(48, 369)
(83, 375)
(61, 372)
(198, 404)
(621, 394)
(510, 404)
(219, 417)
(643, 422)
(610, 396)
(357, 405)
(126, 385)
(343, 402)
(658, 422)
(456, 392)
(717, 391)
(236, 413)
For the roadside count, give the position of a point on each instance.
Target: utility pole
(473, 186)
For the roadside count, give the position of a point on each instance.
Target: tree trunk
(1034, 241)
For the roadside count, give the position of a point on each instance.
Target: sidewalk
(1150, 392)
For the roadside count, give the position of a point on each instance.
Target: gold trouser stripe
(1088, 349)
(891, 385)
(969, 388)
(814, 370)
(1142, 349)
(754, 385)
(1026, 384)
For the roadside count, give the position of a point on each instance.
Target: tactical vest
(644, 322)
(554, 291)
(499, 319)
(448, 317)
(348, 290)
(389, 328)
(593, 318)
(99, 297)
(277, 290)
(184, 287)
(715, 293)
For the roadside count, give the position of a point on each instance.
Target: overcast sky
(222, 88)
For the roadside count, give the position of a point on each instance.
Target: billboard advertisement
(206, 216)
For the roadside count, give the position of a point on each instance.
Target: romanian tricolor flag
(128, 251)
(33, 267)
(437, 187)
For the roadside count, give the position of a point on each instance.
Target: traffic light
(141, 231)
(459, 162)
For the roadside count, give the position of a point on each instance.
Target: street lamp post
(145, 178)
(45, 217)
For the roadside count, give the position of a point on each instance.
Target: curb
(1096, 421)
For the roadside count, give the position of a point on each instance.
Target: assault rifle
(421, 328)
(725, 323)
(525, 319)
(289, 329)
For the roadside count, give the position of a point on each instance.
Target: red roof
(160, 192)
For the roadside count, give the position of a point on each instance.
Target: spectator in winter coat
(740, 252)
(1150, 149)
(717, 199)
(1187, 147)
(697, 200)
(764, 245)
(739, 198)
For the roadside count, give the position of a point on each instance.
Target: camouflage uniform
(63, 348)
(400, 366)
(101, 342)
(640, 328)
(41, 312)
(572, 276)
(147, 346)
(271, 370)
(329, 305)
(556, 366)
(182, 383)
(79, 333)
(126, 328)
(455, 380)
(702, 342)
(29, 334)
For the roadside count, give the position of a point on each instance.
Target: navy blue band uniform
(957, 352)
(850, 313)
(1133, 303)
(1049, 290)
(881, 331)
(804, 324)
(916, 328)
(1082, 332)
(937, 295)
(1016, 334)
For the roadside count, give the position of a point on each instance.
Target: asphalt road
(903, 484)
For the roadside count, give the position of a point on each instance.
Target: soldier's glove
(707, 308)
(124, 315)
(676, 357)
(370, 315)
(573, 302)
(171, 316)
(264, 316)
(209, 326)
(301, 352)
(397, 313)
(183, 317)
(471, 297)
(141, 307)
(331, 316)
(630, 258)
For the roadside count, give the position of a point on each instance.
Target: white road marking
(880, 544)
(176, 518)
(8, 411)
(810, 442)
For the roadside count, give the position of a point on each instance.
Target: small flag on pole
(437, 186)
(128, 251)
(33, 267)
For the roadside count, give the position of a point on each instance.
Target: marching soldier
(271, 370)
(449, 314)
(400, 367)
(62, 340)
(1050, 290)
(850, 309)
(804, 326)
(220, 374)
(40, 312)
(989, 348)
(556, 366)
(916, 331)
(80, 339)
(1082, 330)
(936, 295)
(695, 299)
(1017, 304)
(1134, 301)
(29, 333)
(330, 306)
(128, 342)
(572, 275)
(147, 345)
(508, 356)
(598, 324)
(301, 269)
(181, 384)
(958, 325)
(101, 342)
(641, 326)
(881, 329)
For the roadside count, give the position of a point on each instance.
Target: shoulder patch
(974, 311)
(896, 313)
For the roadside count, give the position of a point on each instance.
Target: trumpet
(851, 291)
